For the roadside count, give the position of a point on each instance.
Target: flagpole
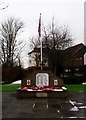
(41, 53)
(40, 39)
(41, 42)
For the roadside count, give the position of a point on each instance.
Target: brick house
(75, 56)
(75, 62)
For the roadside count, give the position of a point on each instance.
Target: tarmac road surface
(74, 106)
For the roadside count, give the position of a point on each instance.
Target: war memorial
(42, 82)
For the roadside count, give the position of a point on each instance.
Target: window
(30, 55)
(80, 58)
(29, 61)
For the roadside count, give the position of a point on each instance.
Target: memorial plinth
(42, 83)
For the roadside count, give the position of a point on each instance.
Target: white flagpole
(40, 39)
(41, 53)
(41, 43)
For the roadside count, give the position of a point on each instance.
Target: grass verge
(76, 88)
(9, 87)
(71, 88)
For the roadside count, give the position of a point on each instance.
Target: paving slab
(74, 106)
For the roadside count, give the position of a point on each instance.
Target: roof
(73, 55)
(76, 51)
(37, 50)
(73, 50)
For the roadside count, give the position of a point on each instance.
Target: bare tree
(34, 45)
(34, 42)
(10, 47)
(55, 39)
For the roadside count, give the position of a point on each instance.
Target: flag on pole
(39, 27)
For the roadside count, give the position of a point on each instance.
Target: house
(75, 63)
(34, 57)
(75, 56)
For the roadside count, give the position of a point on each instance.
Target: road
(74, 106)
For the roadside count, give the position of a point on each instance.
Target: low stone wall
(34, 94)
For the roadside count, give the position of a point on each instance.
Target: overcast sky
(65, 12)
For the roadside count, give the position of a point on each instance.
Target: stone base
(34, 94)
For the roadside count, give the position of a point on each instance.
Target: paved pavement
(74, 106)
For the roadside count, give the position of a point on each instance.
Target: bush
(12, 73)
(74, 80)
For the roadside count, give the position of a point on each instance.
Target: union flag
(39, 27)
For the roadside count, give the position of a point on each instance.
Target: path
(72, 107)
